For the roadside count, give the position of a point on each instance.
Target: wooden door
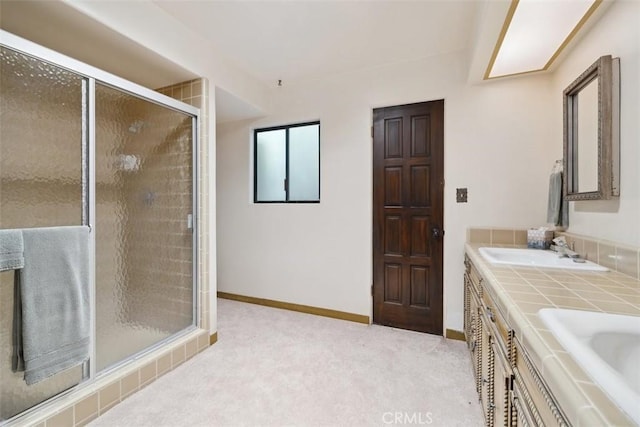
(408, 183)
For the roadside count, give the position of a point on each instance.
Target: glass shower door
(79, 146)
(41, 185)
(144, 240)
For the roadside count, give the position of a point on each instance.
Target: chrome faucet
(562, 248)
(564, 251)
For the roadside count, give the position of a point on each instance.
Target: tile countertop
(519, 292)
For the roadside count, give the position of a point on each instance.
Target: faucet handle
(560, 242)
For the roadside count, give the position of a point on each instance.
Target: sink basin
(607, 346)
(536, 258)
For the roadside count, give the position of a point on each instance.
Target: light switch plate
(461, 195)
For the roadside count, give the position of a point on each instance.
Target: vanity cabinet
(510, 389)
(472, 327)
(490, 363)
(487, 372)
(501, 387)
(537, 405)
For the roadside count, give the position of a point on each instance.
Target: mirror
(591, 133)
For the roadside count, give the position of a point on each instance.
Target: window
(287, 164)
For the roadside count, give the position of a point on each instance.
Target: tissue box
(539, 238)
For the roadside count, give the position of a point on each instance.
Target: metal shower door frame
(90, 76)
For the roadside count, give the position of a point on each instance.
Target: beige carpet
(274, 367)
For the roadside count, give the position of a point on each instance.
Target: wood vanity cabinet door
(535, 395)
(471, 329)
(520, 416)
(468, 333)
(486, 373)
(475, 345)
(501, 386)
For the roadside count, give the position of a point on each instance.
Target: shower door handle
(190, 222)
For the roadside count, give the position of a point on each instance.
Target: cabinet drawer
(497, 325)
(476, 278)
(534, 394)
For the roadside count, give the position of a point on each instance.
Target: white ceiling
(57, 26)
(272, 40)
(293, 40)
(230, 108)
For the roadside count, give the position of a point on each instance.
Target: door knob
(436, 233)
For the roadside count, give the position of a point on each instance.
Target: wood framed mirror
(592, 132)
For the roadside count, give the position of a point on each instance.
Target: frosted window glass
(271, 166)
(304, 163)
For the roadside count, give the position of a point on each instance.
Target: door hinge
(371, 131)
(371, 290)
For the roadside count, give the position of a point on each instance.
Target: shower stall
(79, 146)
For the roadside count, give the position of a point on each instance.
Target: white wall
(153, 28)
(500, 141)
(617, 33)
(497, 143)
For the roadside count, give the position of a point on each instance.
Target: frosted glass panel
(144, 280)
(40, 186)
(40, 143)
(271, 165)
(304, 163)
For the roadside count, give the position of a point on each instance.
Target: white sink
(536, 258)
(607, 346)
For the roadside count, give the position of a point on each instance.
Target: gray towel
(558, 207)
(11, 250)
(51, 319)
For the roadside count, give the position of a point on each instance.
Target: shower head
(136, 126)
(127, 163)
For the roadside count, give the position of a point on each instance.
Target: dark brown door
(408, 182)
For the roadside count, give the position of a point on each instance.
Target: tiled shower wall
(622, 258)
(195, 93)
